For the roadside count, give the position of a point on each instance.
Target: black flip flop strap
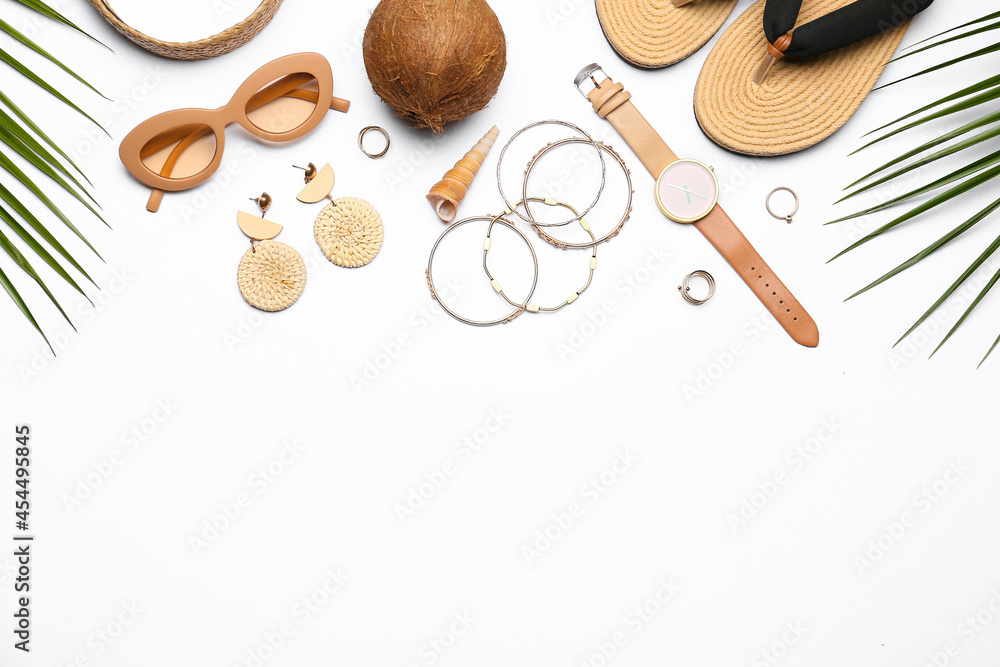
(839, 28)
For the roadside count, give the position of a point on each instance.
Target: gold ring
(786, 218)
(361, 141)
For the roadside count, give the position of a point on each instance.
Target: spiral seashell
(450, 191)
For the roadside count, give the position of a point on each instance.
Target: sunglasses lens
(181, 152)
(284, 104)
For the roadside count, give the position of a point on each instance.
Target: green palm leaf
(23, 136)
(989, 352)
(42, 252)
(35, 223)
(23, 262)
(981, 98)
(47, 11)
(989, 119)
(962, 179)
(959, 189)
(974, 88)
(53, 170)
(972, 306)
(981, 19)
(13, 169)
(15, 135)
(19, 36)
(954, 148)
(977, 31)
(12, 291)
(986, 50)
(30, 124)
(978, 165)
(932, 248)
(13, 62)
(954, 286)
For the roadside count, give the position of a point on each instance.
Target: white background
(171, 329)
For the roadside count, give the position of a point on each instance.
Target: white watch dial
(687, 190)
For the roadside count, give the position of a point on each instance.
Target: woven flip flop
(800, 101)
(655, 33)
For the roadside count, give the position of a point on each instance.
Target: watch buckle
(588, 73)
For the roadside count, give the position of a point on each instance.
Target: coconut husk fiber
(435, 61)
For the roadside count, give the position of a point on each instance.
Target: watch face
(687, 190)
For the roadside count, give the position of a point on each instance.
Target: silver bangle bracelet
(496, 286)
(524, 195)
(628, 206)
(532, 308)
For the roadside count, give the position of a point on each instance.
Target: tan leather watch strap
(611, 101)
(723, 233)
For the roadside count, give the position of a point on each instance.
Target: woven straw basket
(217, 45)
(654, 33)
(801, 102)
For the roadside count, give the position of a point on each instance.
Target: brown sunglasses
(282, 101)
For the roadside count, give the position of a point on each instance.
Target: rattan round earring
(348, 230)
(272, 275)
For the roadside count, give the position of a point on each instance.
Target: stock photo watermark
(856, 228)
(353, 49)
(435, 647)
(596, 319)
(895, 529)
(582, 157)
(35, 22)
(722, 362)
(301, 612)
(42, 358)
(230, 511)
(971, 627)
(127, 102)
(107, 635)
(7, 570)
(130, 443)
(916, 344)
(377, 364)
(562, 521)
(409, 165)
(779, 649)
(462, 453)
(637, 619)
(224, 8)
(795, 461)
(198, 201)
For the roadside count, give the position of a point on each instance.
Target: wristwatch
(687, 191)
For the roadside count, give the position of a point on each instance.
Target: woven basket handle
(217, 45)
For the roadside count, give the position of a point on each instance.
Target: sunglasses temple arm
(289, 87)
(155, 197)
(340, 105)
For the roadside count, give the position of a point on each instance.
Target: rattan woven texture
(216, 45)
(271, 276)
(654, 33)
(801, 102)
(349, 232)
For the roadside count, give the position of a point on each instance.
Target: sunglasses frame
(235, 111)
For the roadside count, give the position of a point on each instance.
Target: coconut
(435, 61)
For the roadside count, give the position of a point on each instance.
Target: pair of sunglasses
(282, 101)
